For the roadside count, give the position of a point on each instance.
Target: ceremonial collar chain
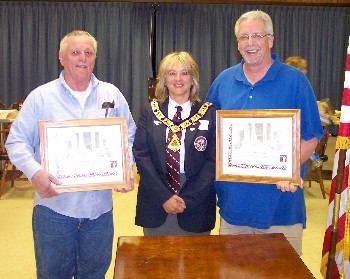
(177, 128)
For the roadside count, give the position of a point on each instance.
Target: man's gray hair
(260, 15)
(77, 33)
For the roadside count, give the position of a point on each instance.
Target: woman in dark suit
(176, 195)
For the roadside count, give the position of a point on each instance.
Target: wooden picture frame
(258, 146)
(86, 154)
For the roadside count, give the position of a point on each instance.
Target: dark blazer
(198, 190)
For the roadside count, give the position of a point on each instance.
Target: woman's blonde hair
(167, 64)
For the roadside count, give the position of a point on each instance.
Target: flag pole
(342, 145)
(337, 198)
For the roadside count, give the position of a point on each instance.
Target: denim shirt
(54, 101)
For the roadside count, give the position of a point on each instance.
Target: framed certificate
(86, 154)
(258, 146)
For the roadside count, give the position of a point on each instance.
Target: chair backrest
(322, 145)
(3, 137)
(2, 105)
(17, 106)
(152, 83)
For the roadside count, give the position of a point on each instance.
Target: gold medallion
(174, 144)
(188, 122)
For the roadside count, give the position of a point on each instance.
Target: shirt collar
(184, 106)
(94, 81)
(270, 75)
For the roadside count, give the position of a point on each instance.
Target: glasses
(256, 37)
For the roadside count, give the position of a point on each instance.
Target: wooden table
(208, 257)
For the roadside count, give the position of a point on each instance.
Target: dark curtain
(318, 34)
(31, 31)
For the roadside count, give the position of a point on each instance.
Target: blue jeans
(67, 247)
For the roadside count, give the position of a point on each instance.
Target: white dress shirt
(185, 113)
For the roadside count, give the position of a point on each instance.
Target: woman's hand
(174, 205)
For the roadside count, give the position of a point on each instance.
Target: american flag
(341, 267)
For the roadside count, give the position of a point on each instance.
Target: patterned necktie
(173, 144)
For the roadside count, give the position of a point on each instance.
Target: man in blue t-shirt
(261, 81)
